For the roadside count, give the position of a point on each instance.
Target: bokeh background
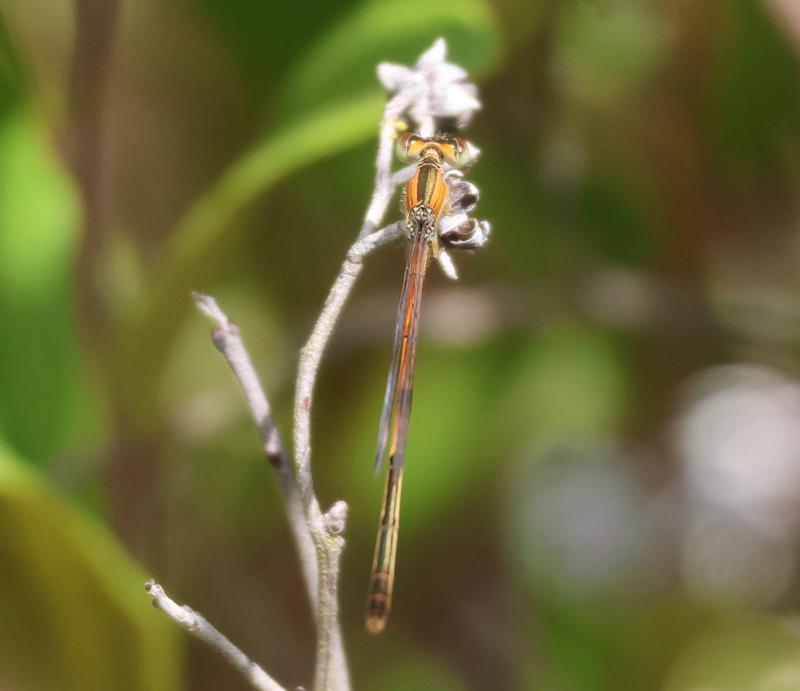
(603, 485)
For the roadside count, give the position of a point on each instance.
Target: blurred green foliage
(69, 621)
(640, 168)
(44, 403)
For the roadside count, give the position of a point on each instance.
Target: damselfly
(425, 200)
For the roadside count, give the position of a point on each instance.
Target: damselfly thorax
(425, 200)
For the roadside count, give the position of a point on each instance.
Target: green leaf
(74, 612)
(42, 381)
(393, 30)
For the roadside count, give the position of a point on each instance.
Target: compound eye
(457, 152)
(407, 147)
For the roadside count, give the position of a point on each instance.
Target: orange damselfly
(425, 200)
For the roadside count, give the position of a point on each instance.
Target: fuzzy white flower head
(432, 89)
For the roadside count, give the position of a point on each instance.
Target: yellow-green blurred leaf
(74, 612)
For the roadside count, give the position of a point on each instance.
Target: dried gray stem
(198, 626)
(431, 89)
(331, 671)
(228, 341)
(317, 536)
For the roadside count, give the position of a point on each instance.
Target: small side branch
(331, 665)
(331, 669)
(317, 536)
(228, 341)
(198, 626)
(311, 354)
(430, 90)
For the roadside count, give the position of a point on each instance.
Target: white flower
(432, 88)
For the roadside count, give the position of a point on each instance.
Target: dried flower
(463, 194)
(469, 234)
(456, 229)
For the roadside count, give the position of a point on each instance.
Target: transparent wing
(393, 430)
(394, 433)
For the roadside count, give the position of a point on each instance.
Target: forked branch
(429, 90)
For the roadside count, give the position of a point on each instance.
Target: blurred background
(603, 484)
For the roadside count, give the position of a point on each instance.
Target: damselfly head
(455, 151)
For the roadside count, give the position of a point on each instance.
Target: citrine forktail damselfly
(425, 200)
